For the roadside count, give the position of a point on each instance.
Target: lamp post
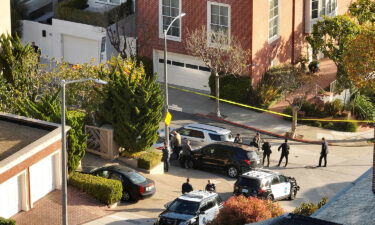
(63, 142)
(166, 76)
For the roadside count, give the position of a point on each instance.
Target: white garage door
(42, 178)
(183, 71)
(10, 197)
(80, 50)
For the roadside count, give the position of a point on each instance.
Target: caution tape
(269, 111)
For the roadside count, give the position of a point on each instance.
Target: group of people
(284, 147)
(187, 187)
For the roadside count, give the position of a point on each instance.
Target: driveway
(47, 211)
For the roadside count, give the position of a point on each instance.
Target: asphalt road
(345, 164)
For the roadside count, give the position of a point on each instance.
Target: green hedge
(149, 159)
(4, 221)
(81, 16)
(106, 191)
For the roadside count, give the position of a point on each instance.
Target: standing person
(238, 139)
(284, 152)
(176, 143)
(266, 147)
(186, 187)
(186, 153)
(210, 187)
(166, 156)
(323, 153)
(35, 47)
(257, 140)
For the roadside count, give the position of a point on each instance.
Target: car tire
(233, 171)
(126, 196)
(293, 193)
(270, 197)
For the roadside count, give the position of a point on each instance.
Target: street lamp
(165, 74)
(63, 142)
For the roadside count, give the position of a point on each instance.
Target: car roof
(206, 127)
(260, 174)
(118, 168)
(232, 144)
(197, 196)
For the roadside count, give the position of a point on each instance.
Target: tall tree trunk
(217, 90)
(294, 121)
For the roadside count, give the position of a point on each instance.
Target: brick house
(274, 31)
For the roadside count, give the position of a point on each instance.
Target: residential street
(345, 164)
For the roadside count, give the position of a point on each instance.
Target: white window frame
(327, 6)
(277, 36)
(108, 2)
(209, 3)
(161, 30)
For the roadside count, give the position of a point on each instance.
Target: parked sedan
(134, 185)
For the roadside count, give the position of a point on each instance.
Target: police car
(193, 208)
(266, 184)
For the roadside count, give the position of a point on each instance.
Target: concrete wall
(5, 26)
(32, 31)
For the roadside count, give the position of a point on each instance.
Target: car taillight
(159, 148)
(261, 191)
(247, 162)
(141, 189)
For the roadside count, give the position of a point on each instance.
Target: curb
(271, 133)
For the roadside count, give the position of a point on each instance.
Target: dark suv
(231, 157)
(266, 184)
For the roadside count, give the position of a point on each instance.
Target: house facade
(273, 30)
(30, 162)
(5, 26)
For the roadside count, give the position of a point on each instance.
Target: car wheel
(233, 172)
(270, 197)
(126, 196)
(293, 193)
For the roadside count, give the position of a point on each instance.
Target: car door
(208, 211)
(220, 156)
(286, 186)
(206, 158)
(276, 187)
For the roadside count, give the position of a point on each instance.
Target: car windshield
(252, 155)
(136, 178)
(184, 207)
(248, 182)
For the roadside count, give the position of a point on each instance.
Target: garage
(11, 202)
(80, 50)
(183, 71)
(42, 178)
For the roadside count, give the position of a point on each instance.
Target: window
(175, 63)
(102, 173)
(136, 178)
(329, 6)
(207, 206)
(168, 10)
(218, 20)
(273, 26)
(115, 176)
(323, 8)
(314, 9)
(214, 137)
(282, 179)
(275, 180)
(184, 131)
(203, 68)
(196, 134)
(191, 66)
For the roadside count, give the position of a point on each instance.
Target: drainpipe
(293, 30)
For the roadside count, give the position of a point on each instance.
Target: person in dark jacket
(284, 152)
(323, 153)
(266, 147)
(166, 156)
(186, 187)
(238, 139)
(210, 187)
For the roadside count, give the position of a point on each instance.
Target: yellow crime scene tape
(268, 111)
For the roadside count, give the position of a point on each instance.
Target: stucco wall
(5, 26)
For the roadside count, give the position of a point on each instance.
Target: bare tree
(222, 54)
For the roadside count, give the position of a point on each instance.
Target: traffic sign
(168, 118)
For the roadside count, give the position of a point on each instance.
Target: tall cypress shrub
(132, 104)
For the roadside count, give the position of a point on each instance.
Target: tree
(359, 59)
(224, 55)
(363, 10)
(132, 103)
(331, 36)
(240, 210)
(307, 209)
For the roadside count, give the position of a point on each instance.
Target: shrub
(4, 221)
(328, 125)
(240, 210)
(80, 16)
(363, 108)
(74, 4)
(307, 209)
(333, 108)
(317, 124)
(287, 111)
(105, 190)
(147, 64)
(235, 88)
(149, 159)
(345, 126)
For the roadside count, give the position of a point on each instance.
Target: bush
(345, 126)
(307, 209)
(363, 108)
(74, 4)
(234, 88)
(328, 125)
(149, 159)
(4, 221)
(288, 111)
(105, 190)
(240, 210)
(317, 124)
(333, 108)
(80, 16)
(147, 64)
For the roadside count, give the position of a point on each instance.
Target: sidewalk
(263, 122)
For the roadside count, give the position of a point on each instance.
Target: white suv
(193, 208)
(204, 134)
